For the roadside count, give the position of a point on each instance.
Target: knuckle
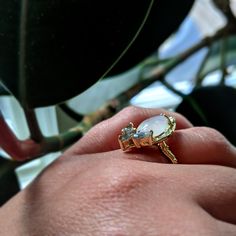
(127, 112)
(212, 133)
(217, 140)
(119, 181)
(130, 111)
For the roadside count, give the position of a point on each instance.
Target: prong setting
(162, 126)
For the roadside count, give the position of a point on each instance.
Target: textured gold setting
(130, 138)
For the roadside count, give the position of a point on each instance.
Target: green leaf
(96, 96)
(3, 91)
(54, 50)
(111, 87)
(214, 58)
(8, 180)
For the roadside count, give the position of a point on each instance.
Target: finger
(226, 228)
(104, 136)
(201, 145)
(213, 189)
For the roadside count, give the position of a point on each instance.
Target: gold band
(167, 152)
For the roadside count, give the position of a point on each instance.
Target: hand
(96, 189)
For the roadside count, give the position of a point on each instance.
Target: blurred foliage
(214, 57)
(54, 50)
(8, 180)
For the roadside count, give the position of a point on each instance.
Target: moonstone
(158, 124)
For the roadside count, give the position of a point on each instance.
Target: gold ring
(152, 131)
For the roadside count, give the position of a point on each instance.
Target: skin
(96, 189)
